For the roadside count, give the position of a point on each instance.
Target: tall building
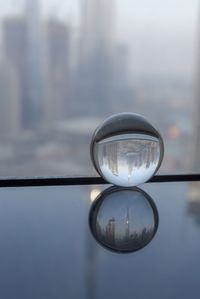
(195, 143)
(97, 25)
(58, 70)
(35, 64)
(15, 50)
(102, 82)
(94, 78)
(9, 103)
(22, 44)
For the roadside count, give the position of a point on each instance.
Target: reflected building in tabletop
(123, 219)
(193, 202)
(110, 231)
(127, 224)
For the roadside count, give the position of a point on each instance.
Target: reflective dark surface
(47, 251)
(123, 219)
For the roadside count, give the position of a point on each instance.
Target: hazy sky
(170, 13)
(161, 35)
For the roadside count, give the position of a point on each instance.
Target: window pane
(67, 65)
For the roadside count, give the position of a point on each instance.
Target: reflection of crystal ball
(123, 219)
(126, 150)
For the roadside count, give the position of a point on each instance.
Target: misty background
(67, 65)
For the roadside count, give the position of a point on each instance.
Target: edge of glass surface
(62, 181)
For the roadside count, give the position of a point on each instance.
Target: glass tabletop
(48, 251)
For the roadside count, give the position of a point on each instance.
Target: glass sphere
(126, 150)
(123, 220)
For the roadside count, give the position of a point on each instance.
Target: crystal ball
(126, 150)
(123, 219)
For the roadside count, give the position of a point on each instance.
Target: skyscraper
(58, 70)
(9, 102)
(22, 44)
(97, 25)
(15, 49)
(102, 83)
(94, 81)
(195, 143)
(35, 64)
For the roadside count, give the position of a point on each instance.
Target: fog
(67, 65)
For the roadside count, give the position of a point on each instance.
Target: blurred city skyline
(167, 29)
(60, 77)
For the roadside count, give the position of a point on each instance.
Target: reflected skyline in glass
(128, 160)
(123, 219)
